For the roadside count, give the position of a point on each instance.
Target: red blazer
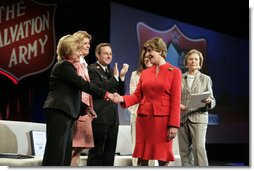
(158, 95)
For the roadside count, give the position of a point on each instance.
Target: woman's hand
(172, 131)
(91, 113)
(206, 101)
(183, 108)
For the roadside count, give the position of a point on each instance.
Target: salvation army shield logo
(27, 38)
(178, 44)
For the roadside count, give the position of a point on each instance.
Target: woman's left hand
(206, 101)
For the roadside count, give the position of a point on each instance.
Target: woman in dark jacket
(63, 104)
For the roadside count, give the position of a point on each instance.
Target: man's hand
(123, 71)
(116, 71)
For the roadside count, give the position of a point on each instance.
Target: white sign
(38, 142)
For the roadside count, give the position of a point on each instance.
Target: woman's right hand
(91, 113)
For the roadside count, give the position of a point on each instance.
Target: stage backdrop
(226, 60)
(28, 37)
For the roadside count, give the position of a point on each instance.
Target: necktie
(107, 73)
(106, 70)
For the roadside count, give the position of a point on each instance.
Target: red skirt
(151, 139)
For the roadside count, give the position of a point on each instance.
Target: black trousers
(105, 139)
(58, 148)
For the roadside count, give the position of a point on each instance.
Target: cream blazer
(133, 85)
(201, 83)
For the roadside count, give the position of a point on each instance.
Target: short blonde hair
(67, 46)
(190, 52)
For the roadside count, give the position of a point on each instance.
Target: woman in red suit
(158, 117)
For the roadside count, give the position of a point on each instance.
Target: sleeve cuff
(106, 96)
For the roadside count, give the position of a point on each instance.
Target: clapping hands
(123, 71)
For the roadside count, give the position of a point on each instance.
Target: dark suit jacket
(65, 89)
(106, 110)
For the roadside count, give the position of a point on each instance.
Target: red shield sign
(27, 38)
(178, 43)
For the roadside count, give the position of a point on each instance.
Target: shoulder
(93, 66)
(204, 77)
(63, 67)
(173, 69)
(184, 75)
(134, 73)
(63, 63)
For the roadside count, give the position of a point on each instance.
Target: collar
(82, 60)
(103, 67)
(164, 66)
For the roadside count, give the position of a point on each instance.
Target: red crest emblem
(178, 43)
(27, 38)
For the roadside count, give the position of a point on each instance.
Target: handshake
(116, 98)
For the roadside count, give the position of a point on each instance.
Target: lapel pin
(170, 68)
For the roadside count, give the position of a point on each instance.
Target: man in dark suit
(105, 126)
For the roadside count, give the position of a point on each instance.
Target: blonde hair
(190, 52)
(157, 44)
(67, 46)
(80, 35)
